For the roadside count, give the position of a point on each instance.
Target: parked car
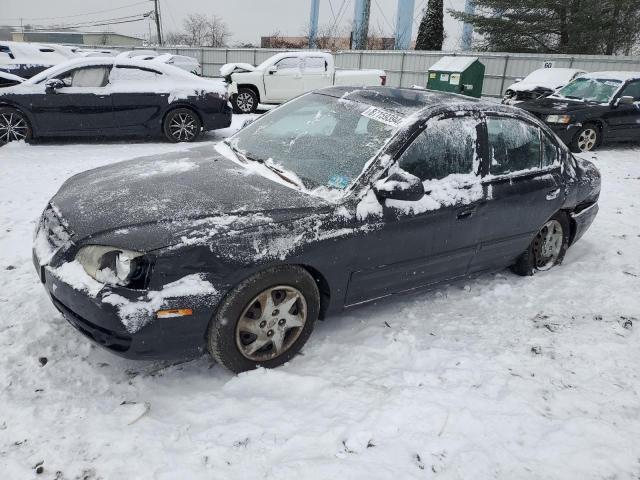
(137, 53)
(594, 108)
(540, 83)
(287, 75)
(183, 62)
(113, 97)
(9, 80)
(29, 59)
(337, 198)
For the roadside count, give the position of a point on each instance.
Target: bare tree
(201, 31)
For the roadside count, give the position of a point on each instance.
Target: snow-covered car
(9, 80)
(183, 62)
(28, 59)
(137, 53)
(340, 197)
(595, 108)
(287, 75)
(540, 83)
(113, 97)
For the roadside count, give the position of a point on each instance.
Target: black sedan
(99, 97)
(594, 108)
(337, 198)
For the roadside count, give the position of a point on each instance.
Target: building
(79, 38)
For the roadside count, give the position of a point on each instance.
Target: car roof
(611, 75)
(407, 101)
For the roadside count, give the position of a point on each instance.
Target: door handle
(466, 213)
(553, 194)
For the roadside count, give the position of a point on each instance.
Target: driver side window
(288, 65)
(87, 77)
(632, 90)
(444, 148)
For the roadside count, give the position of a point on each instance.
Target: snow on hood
(229, 68)
(168, 194)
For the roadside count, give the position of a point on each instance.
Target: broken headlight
(115, 266)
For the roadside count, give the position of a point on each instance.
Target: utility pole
(467, 28)
(157, 17)
(360, 24)
(404, 24)
(313, 23)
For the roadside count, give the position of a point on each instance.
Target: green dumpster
(457, 75)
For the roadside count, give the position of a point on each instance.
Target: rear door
(82, 106)
(315, 73)
(140, 95)
(286, 82)
(434, 239)
(524, 189)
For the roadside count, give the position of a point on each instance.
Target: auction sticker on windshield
(383, 116)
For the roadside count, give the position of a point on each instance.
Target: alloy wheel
(547, 245)
(587, 139)
(13, 127)
(183, 127)
(271, 323)
(245, 101)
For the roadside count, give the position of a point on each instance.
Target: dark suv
(597, 107)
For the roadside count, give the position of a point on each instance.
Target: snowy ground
(501, 377)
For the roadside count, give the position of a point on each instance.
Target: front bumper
(160, 339)
(583, 220)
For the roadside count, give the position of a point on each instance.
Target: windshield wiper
(281, 173)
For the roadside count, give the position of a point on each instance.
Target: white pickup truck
(287, 75)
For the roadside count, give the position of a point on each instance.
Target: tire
(243, 335)
(14, 126)
(245, 101)
(541, 255)
(181, 125)
(587, 139)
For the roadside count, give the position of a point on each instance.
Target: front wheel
(245, 101)
(265, 320)
(547, 248)
(587, 139)
(181, 125)
(14, 126)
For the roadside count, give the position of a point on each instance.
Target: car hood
(152, 202)
(229, 68)
(551, 105)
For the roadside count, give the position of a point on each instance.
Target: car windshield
(590, 89)
(325, 141)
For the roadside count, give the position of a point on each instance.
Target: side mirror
(52, 85)
(399, 186)
(272, 69)
(626, 100)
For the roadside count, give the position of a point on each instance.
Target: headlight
(114, 266)
(564, 119)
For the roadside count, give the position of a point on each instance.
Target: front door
(624, 119)
(82, 106)
(420, 243)
(285, 82)
(523, 190)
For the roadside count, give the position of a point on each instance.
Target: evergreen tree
(555, 26)
(431, 30)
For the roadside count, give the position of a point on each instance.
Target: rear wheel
(182, 125)
(265, 320)
(245, 101)
(547, 248)
(14, 126)
(587, 138)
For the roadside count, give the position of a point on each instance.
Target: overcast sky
(248, 20)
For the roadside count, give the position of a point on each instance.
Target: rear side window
(444, 148)
(134, 74)
(315, 65)
(514, 145)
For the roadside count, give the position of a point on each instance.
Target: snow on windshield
(591, 89)
(325, 141)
